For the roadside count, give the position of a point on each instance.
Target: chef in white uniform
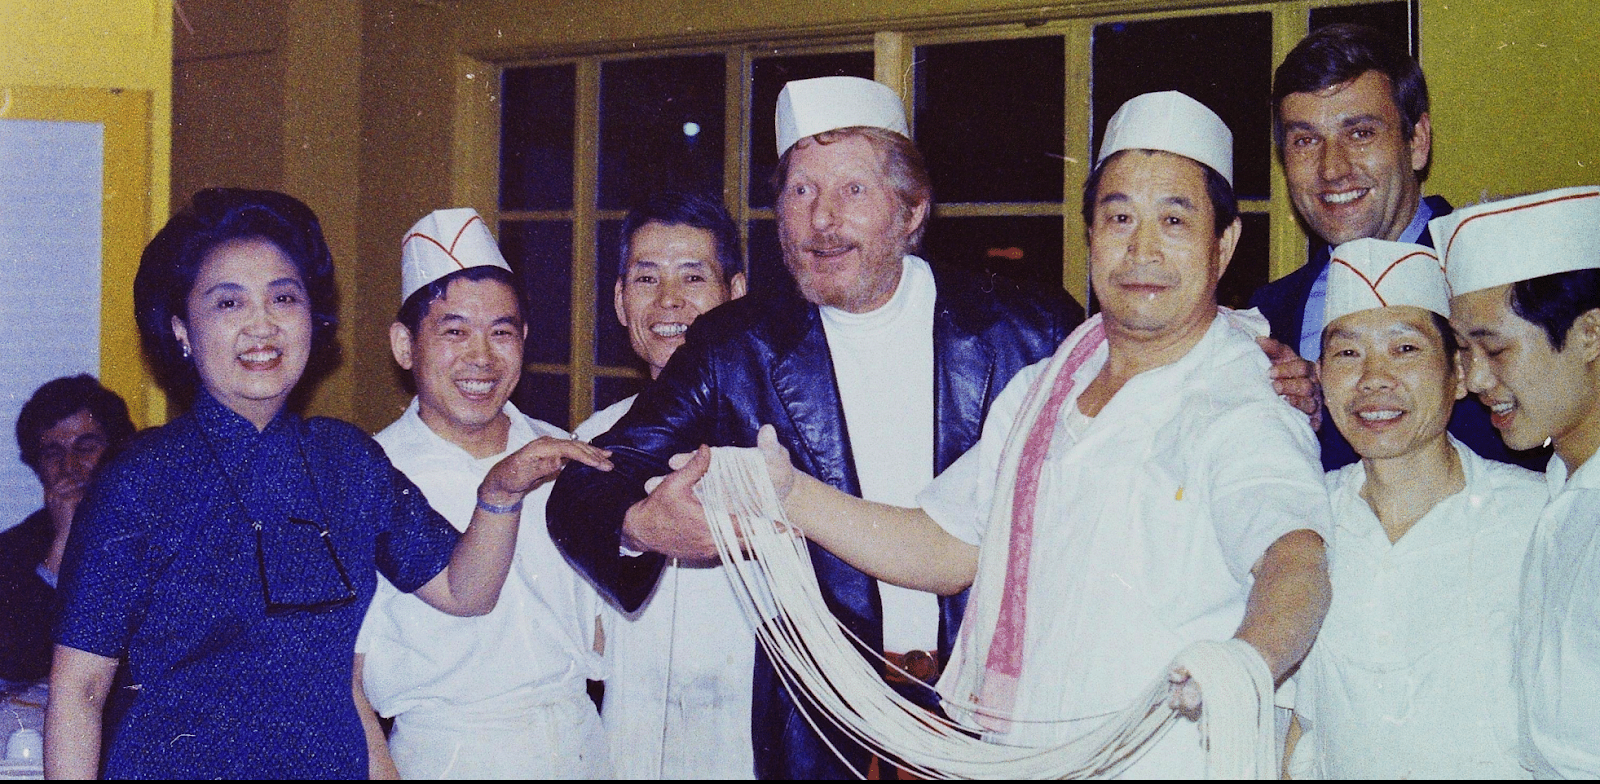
(1525, 279)
(1172, 495)
(1427, 549)
(677, 698)
(500, 695)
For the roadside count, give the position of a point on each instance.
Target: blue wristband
(492, 509)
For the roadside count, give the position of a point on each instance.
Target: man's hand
(779, 469)
(1185, 695)
(670, 520)
(61, 500)
(1294, 379)
(535, 463)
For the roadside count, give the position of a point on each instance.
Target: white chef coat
(499, 695)
(1558, 666)
(1152, 523)
(678, 696)
(1411, 674)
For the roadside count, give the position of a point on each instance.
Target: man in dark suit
(1350, 117)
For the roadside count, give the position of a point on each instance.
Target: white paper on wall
(50, 196)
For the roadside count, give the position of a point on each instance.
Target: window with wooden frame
(1007, 116)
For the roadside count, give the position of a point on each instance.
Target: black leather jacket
(764, 359)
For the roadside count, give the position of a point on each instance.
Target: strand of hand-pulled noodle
(821, 664)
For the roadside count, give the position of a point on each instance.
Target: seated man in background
(500, 695)
(1525, 278)
(1411, 674)
(677, 698)
(65, 432)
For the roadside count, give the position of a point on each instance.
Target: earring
(185, 350)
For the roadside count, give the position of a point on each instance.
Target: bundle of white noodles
(821, 664)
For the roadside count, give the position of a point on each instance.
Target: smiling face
(1350, 160)
(1389, 383)
(842, 225)
(1533, 391)
(1154, 257)
(466, 358)
(248, 327)
(671, 278)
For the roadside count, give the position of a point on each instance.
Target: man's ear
(919, 216)
(400, 342)
(1421, 142)
(1585, 335)
(1460, 365)
(737, 286)
(616, 303)
(1226, 244)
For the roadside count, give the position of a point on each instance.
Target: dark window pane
(1025, 249)
(661, 127)
(989, 118)
(608, 390)
(767, 272)
(540, 253)
(768, 75)
(1251, 262)
(611, 344)
(536, 128)
(1397, 18)
(1224, 62)
(545, 396)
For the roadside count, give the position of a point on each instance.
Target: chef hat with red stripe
(443, 242)
(1369, 273)
(1503, 242)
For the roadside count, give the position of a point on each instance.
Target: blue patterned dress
(166, 570)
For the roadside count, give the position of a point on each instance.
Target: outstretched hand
(1294, 379)
(535, 463)
(670, 520)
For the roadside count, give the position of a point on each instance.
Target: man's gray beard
(850, 301)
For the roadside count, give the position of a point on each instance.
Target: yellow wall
(109, 60)
(1516, 95)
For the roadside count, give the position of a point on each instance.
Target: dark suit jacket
(1283, 302)
(764, 359)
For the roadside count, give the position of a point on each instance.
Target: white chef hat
(1370, 273)
(1171, 122)
(811, 106)
(445, 241)
(1500, 242)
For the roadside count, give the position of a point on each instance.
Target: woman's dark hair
(1338, 53)
(1554, 302)
(172, 261)
(673, 208)
(1224, 205)
(61, 398)
(416, 306)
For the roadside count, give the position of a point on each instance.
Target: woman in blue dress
(219, 569)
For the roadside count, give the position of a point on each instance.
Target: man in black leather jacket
(766, 359)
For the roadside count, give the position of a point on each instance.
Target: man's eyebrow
(1359, 119)
(1114, 196)
(1181, 201)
